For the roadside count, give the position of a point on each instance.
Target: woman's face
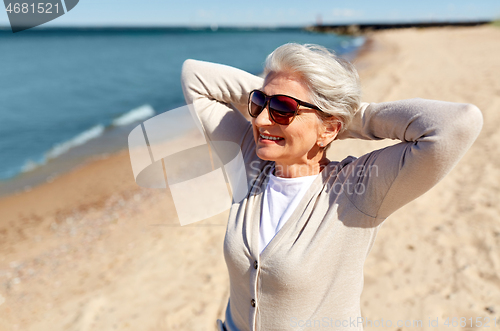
(300, 138)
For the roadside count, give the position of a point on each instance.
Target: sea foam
(134, 115)
(78, 140)
(131, 116)
(63, 147)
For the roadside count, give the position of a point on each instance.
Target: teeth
(269, 137)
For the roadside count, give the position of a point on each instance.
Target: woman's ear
(332, 127)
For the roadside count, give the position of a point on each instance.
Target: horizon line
(228, 26)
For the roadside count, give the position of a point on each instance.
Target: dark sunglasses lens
(282, 109)
(257, 103)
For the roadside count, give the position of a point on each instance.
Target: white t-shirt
(281, 197)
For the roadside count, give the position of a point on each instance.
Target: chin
(265, 155)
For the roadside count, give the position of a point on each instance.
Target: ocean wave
(134, 115)
(62, 148)
(30, 165)
(78, 140)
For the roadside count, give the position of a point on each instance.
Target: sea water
(68, 94)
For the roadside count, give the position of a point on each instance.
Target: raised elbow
(187, 68)
(458, 129)
(473, 121)
(190, 80)
(475, 115)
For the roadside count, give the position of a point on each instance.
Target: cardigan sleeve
(433, 135)
(219, 94)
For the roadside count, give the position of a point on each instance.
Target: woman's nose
(264, 117)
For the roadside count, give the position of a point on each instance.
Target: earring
(320, 144)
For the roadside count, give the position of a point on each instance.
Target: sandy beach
(92, 250)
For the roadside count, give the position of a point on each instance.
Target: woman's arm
(213, 90)
(434, 136)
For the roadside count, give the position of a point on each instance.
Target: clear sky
(268, 13)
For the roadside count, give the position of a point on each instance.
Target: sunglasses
(282, 108)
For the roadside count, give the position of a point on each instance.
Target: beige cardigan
(310, 276)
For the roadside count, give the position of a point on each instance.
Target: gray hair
(332, 81)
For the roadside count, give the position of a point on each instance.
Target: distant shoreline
(343, 29)
(359, 29)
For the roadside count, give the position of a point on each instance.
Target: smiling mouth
(263, 136)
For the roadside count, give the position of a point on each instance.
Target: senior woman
(296, 244)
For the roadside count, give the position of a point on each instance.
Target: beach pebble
(14, 264)
(490, 309)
